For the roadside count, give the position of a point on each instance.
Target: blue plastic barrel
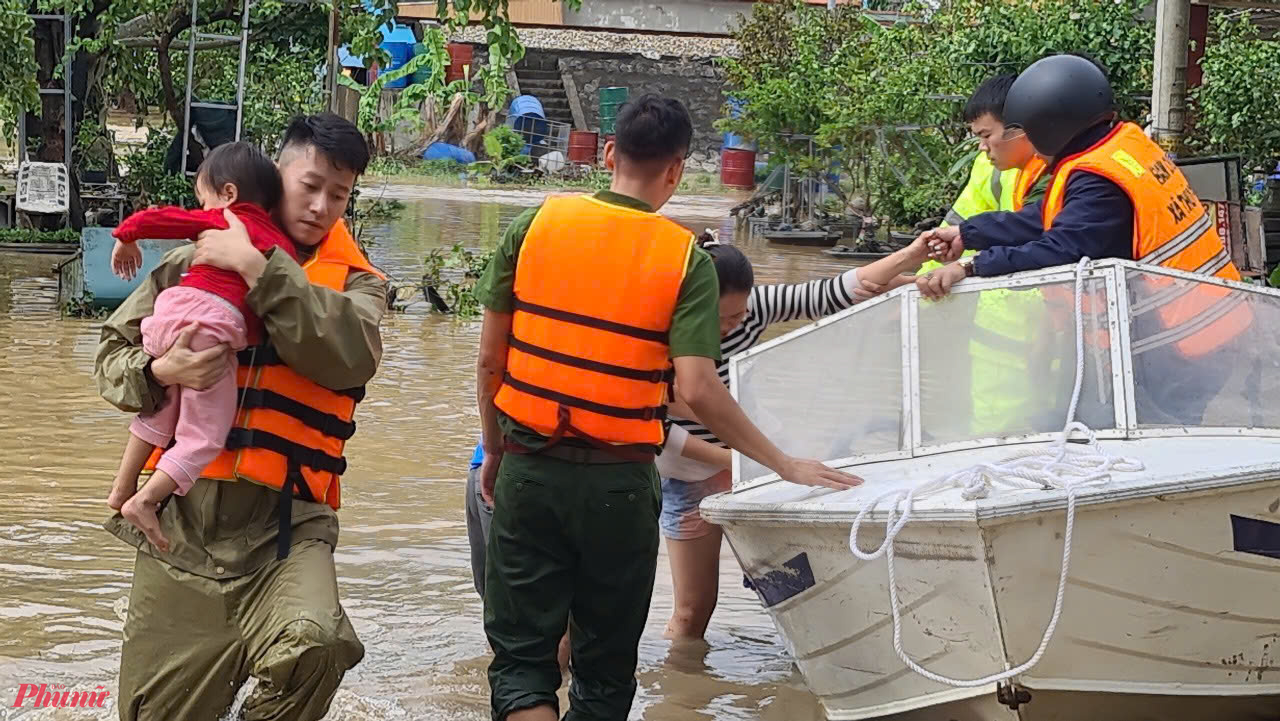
(446, 151)
(523, 105)
(733, 141)
(529, 120)
(401, 53)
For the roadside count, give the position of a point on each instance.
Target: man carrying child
(247, 585)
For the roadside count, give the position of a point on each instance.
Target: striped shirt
(777, 304)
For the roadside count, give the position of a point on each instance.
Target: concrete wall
(709, 17)
(697, 83)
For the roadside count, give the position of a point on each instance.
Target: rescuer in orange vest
(594, 305)
(247, 585)
(1114, 194)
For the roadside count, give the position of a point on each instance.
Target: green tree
(885, 101)
(1236, 111)
(140, 46)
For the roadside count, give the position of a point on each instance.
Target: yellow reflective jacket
(1004, 321)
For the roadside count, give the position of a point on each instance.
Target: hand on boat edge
(814, 473)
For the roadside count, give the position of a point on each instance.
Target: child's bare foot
(142, 514)
(121, 491)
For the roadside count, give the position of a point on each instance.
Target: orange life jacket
(289, 431)
(1027, 178)
(596, 286)
(1170, 229)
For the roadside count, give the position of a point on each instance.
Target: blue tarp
(445, 151)
(347, 60)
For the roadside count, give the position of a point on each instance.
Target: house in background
(667, 47)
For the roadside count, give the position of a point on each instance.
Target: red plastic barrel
(460, 55)
(582, 147)
(738, 168)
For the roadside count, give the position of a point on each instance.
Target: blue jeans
(680, 519)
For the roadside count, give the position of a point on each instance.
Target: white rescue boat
(1130, 572)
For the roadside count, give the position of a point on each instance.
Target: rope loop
(1061, 465)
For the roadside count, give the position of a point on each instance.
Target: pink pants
(197, 420)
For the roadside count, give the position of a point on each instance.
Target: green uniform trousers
(576, 543)
(190, 642)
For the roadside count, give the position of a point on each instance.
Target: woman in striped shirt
(693, 544)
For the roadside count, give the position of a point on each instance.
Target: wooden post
(331, 75)
(1199, 35)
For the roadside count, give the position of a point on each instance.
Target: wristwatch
(967, 264)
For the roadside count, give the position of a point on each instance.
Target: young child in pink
(238, 177)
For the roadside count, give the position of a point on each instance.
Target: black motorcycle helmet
(1057, 99)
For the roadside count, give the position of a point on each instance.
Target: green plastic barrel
(610, 100)
(422, 74)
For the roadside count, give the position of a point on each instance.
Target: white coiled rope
(1060, 466)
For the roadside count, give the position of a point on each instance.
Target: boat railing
(1166, 353)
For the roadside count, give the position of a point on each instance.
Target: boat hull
(1168, 606)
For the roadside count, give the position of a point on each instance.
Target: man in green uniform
(574, 536)
(218, 607)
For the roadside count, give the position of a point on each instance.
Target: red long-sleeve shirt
(173, 222)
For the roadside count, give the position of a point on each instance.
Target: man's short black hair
(989, 98)
(332, 135)
(243, 165)
(652, 128)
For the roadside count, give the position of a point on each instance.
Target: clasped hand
(946, 246)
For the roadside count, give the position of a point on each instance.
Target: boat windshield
(1163, 353)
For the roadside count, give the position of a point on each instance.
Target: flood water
(402, 558)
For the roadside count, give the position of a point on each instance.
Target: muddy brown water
(402, 558)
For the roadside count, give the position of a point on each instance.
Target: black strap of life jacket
(662, 375)
(564, 399)
(356, 394)
(266, 355)
(326, 423)
(260, 355)
(295, 452)
(656, 336)
(294, 482)
(296, 456)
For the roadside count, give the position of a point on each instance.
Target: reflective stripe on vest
(1171, 229)
(986, 190)
(289, 431)
(595, 290)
